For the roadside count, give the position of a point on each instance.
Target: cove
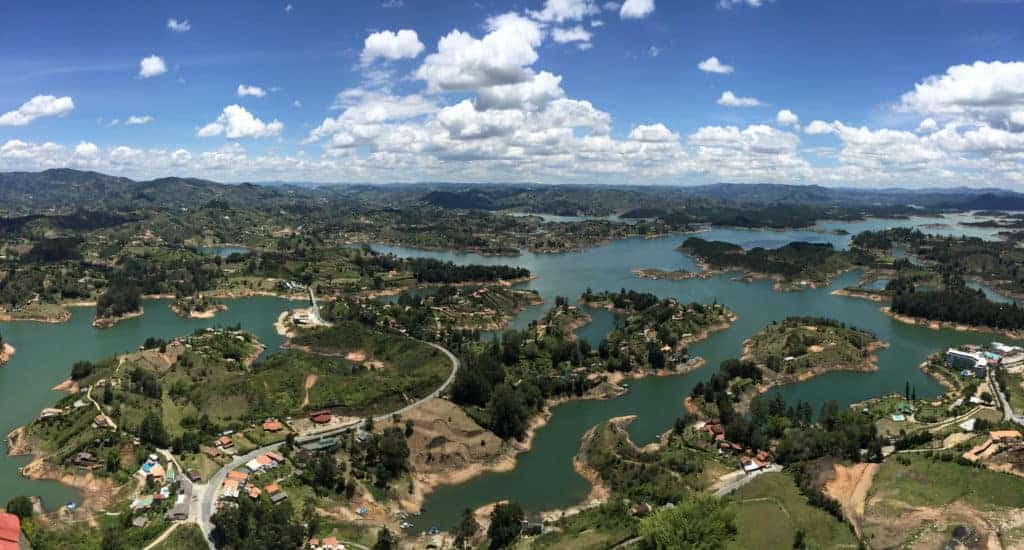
(47, 351)
(543, 478)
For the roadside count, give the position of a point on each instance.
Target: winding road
(208, 492)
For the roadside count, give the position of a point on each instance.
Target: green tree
(508, 415)
(20, 506)
(467, 528)
(385, 540)
(702, 523)
(506, 524)
(152, 430)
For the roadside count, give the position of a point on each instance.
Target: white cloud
(559, 11)
(531, 95)
(363, 109)
(254, 91)
(179, 26)
(502, 56)
(152, 66)
(463, 121)
(1017, 118)
(596, 23)
(235, 123)
(727, 4)
(297, 104)
(654, 51)
(636, 9)
(392, 4)
(982, 92)
(139, 119)
(818, 127)
(654, 133)
(786, 117)
(404, 44)
(571, 34)
(712, 65)
(928, 125)
(289, 9)
(86, 149)
(729, 99)
(37, 107)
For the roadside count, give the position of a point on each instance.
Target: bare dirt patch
(308, 385)
(357, 356)
(850, 487)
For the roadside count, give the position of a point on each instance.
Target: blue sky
(920, 93)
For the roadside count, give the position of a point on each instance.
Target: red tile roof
(10, 530)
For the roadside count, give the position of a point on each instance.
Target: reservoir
(45, 353)
(543, 478)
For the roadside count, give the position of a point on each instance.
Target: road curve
(209, 491)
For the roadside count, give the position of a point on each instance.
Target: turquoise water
(45, 353)
(543, 478)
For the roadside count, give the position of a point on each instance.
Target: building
(11, 537)
(1005, 436)
(272, 425)
(225, 442)
(320, 417)
(238, 475)
(967, 361)
(193, 475)
(230, 489)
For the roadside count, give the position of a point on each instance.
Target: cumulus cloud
(404, 44)
(571, 34)
(139, 119)
(559, 11)
(502, 56)
(37, 107)
(653, 133)
(236, 123)
(152, 66)
(87, 150)
(636, 9)
(713, 65)
(928, 125)
(253, 91)
(818, 127)
(179, 26)
(729, 99)
(531, 95)
(983, 92)
(786, 117)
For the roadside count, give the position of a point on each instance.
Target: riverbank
(959, 327)
(208, 313)
(107, 322)
(6, 352)
(664, 275)
(861, 294)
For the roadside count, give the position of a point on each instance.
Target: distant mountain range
(64, 188)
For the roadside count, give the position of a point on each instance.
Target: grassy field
(930, 482)
(187, 536)
(798, 344)
(601, 527)
(770, 510)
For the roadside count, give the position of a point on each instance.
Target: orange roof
(275, 456)
(225, 440)
(263, 460)
(157, 471)
(10, 530)
(331, 541)
(272, 488)
(231, 484)
(237, 475)
(1004, 434)
(254, 492)
(272, 426)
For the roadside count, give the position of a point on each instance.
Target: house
(275, 492)
(230, 489)
(180, 510)
(212, 452)
(751, 465)
(967, 360)
(275, 456)
(254, 492)
(144, 502)
(239, 476)
(11, 537)
(641, 510)
(85, 459)
(193, 475)
(1005, 436)
(49, 413)
(272, 425)
(225, 442)
(157, 473)
(320, 417)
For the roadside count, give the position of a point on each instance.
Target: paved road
(208, 492)
(735, 480)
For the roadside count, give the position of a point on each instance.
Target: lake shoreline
(950, 325)
(6, 352)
